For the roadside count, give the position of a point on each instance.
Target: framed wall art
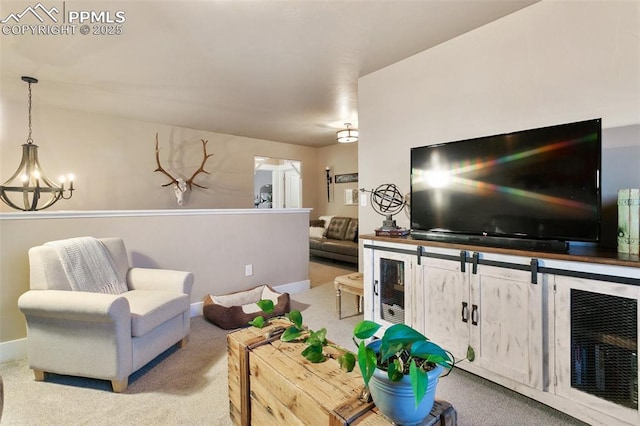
(351, 197)
(347, 178)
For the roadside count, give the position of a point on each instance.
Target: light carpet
(324, 270)
(188, 386)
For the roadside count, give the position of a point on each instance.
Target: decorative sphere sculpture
(387, 199)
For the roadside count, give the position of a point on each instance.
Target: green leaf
(471, 354)
(419, 381)
(394, 372)
(257, 322)
(296, 318)
(347, 361)
(431, 352)
(317, 337)
(388, 349)
(291, 333)
(366, 362)
(314, 353)
(266, 305)
(365, 329)
(402, 333)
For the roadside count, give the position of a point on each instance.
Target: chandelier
(29, 189)
(347, 135)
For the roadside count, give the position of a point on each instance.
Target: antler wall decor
(180, 186)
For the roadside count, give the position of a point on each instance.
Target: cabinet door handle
(474, 314)
(465, 312)
(375, 287)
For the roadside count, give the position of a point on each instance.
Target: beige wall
(114, 159)
(341, 159)
(214, 244)
(552, 62)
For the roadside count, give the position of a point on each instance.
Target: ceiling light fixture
(347, 135)
(29, 182)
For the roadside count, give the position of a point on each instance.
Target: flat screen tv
(537, 188)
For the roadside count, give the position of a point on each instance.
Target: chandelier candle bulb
(63, 180)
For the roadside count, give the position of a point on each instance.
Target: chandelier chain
(29, 140)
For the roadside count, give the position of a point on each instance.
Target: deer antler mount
(180, 185)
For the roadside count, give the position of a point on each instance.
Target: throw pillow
(317, 223)
(327, 220)
(316, 232)
(338, 228)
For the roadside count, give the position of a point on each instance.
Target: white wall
(550, 63)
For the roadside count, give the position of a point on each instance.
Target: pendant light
(29, 189)
(347, 135)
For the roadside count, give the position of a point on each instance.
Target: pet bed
(235, 310)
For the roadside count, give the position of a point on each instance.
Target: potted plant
(401, 370)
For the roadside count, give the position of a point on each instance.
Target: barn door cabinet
(558, 328)
(493, 310)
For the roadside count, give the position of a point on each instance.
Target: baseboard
(196, 309)
(293, 288)
(13, 349)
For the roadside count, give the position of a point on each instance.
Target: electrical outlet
(248, 270)
(363, 200)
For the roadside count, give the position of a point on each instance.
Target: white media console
(561, 328)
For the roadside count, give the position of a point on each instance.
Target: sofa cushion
(149, 308)
(352, 230)
(342, 247)
(316, 243)
(338, 228)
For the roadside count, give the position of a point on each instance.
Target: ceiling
(277, 70)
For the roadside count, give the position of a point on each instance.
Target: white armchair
(103, 336)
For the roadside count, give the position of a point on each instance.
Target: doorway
(277, 183)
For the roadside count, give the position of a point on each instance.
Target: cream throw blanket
(88, 265)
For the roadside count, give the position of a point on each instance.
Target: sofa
(334, 237)
(102, 335)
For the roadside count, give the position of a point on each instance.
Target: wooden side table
(351, 283)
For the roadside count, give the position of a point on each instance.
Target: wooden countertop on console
(575, 254)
